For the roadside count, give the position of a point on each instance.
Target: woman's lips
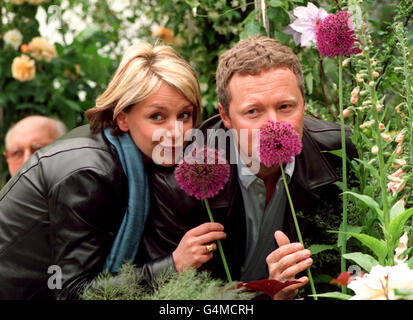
(171, 148)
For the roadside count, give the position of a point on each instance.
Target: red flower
(342, 279)
(270, 287)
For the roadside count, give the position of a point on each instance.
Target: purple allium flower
(335, 35)
(303, 28)
(279, 142)
(203, 174)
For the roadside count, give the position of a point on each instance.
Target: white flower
(402, 246)
(13, 38)
(381, 283)
(303, 28)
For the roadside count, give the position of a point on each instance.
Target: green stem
(343, 242)
(221, 251)
(300, 238)
(382, 170)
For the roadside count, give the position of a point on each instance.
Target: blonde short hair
(141, 72)
(251, 56)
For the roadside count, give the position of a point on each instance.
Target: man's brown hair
(251, 56)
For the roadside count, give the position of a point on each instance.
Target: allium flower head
(303, 28)
(279, 142)
(335, 35)
(203, 174)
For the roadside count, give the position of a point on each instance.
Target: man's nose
(27, 154)
(272, 115)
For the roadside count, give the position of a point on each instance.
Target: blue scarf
(127, 240)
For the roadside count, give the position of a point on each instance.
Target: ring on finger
(209, 248)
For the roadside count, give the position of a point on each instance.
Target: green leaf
(317, 248)
(349, 229)
(309, 82)
(372, 169)
(60, 100)
(396, 210)
(370, 202)
(365, 261)
(252, 28)
(276, 3)
(334, 295)
(397, 224)
(410, 263)
(378, 247)
(403, 292)
(335, 152)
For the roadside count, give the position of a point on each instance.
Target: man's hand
(285, 262)
(192, 250)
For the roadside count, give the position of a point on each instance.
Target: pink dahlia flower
(303, 28)
(203, 174)
(279, 142)
(335, 35)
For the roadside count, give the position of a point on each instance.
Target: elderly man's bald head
(27, 136)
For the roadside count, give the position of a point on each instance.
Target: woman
(79, 206)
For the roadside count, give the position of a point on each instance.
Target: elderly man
(29, 135)
(259, 80)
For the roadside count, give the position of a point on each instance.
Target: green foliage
(169, 285)
(363, 260)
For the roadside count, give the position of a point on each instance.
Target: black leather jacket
(63, 208)
(312, 189)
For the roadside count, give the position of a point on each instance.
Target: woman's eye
(185, 115)
(156, 117)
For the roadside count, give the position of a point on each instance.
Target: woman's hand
(285, 262)
(197, 246)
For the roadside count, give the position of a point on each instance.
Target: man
(29, 135)
(259, 80)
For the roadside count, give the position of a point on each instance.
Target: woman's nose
(175, 129)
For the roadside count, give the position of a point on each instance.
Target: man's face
(273, 94)
(27, 137)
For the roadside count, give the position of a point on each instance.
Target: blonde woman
(78, 206)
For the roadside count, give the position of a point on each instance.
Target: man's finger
(281, 238)
(281, 252)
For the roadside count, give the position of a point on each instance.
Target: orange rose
(23, 68)
(24, 48)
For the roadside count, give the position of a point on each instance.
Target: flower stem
(382, 170)
(343, 242)
(221, 251)
(300, 238)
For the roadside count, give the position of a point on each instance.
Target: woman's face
(158, 124)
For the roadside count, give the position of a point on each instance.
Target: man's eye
(284, 106)
(252, 111)
(16, 154)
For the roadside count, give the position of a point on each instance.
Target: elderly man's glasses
(15, 155)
